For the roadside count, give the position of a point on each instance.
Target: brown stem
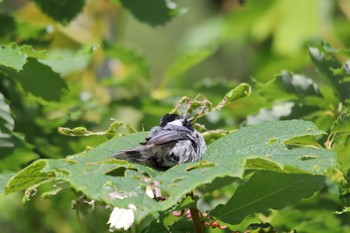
(196, 221)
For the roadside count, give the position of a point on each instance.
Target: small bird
(174, 141)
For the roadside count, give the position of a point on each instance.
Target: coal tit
(174, 141)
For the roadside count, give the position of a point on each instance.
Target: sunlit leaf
(66, 62)
(10, 56)
(4, 178)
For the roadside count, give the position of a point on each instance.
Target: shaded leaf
(62, 11)
(162, 11)
(187, 61)
(39, 80)
(266, 190)
(129, 57)
(7, 26)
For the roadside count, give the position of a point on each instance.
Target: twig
(196, 221)
(195, 216)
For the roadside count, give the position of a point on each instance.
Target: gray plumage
(174, 141)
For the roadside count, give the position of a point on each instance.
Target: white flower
(121, 218)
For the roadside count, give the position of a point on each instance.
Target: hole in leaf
(308, 157)
(302, 141)
(120, 171)
(176, 180)
(200, 164)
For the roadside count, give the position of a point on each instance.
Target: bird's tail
(130, 155)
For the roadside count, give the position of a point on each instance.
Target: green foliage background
(67, 68)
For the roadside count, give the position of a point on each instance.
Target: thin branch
(196, 221)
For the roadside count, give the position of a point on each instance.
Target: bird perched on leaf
(174, 141)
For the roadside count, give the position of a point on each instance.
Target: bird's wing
(166, 137)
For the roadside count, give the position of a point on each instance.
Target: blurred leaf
(6, 120)
(325, 63)
(342, 124)
(279, 21)
(182, 226)
(275, 113)
(159, 13)
(31, 52)
(266, 190)
(4, 178)
(287, 86)
(128, 57)
(345, 210)
(39, 80)
(7, 26)
(62, 11)
(20, 156)
(66, 62)
(186, 62)
(11, 56)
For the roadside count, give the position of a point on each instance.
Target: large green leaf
(266, 190)
(264, 146)
(100, 178)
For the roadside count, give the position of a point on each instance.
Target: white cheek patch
(176, 122)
